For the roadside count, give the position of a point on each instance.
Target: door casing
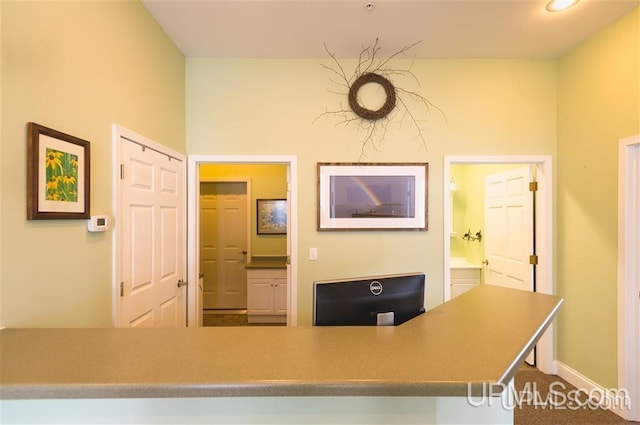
(544, 236)
(629, 275)
(193, 238)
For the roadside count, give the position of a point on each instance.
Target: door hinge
(122, 289)
(533, 186)
(533, 259)
(121, 171)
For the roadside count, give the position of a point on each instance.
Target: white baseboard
(580, 381)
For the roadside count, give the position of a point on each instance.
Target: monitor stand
(385, 319)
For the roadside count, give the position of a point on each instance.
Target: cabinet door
(280, 303)
(260, 296)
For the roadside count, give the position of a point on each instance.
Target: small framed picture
(57, 175)
(372, 196)
(272, 216)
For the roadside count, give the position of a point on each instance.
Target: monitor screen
(368, 301)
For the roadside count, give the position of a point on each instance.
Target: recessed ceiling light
(558, 5)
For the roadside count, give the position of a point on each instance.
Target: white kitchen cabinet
(267, 295)
(464, 276)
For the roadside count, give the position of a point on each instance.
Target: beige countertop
(462, 263)
(479, 337)
(267, 262)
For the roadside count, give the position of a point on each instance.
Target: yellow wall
(268, 107)
(268, 181)
(77, 67)
(469, 208)
(599, 103)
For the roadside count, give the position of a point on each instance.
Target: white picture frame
(372, 196)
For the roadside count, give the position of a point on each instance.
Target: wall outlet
(313, 254)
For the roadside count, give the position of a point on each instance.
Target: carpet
(564, 405)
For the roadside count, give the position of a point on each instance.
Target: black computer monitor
(368, 301)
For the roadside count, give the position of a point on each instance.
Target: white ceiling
(444, 28)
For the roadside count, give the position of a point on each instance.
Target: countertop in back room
(267, 262)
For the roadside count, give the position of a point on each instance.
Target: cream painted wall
(598, 104)
(268, 181)
(78, 67)
(265, 107)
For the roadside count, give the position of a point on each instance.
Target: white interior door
(509, 229)
(151, 235)
(223, 244)
(509, 233)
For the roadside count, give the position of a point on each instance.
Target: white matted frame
(372, 196)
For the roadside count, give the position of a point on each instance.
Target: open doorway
(541, 166)
(195, 167)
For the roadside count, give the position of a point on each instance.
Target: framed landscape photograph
(271, 216)
(57, 175)
(372, 196)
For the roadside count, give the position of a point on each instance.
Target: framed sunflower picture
(57, 175)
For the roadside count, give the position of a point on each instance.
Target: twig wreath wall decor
(372, 69)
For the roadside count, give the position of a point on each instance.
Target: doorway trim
(544, 235)
(629, 275)
(193, 242)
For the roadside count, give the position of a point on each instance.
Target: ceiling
(444, 28)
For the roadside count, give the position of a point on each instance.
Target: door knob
(182, 283)
(244, 252)
(485, 262)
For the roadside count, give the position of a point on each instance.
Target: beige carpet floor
(570, 407)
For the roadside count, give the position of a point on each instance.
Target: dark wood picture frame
(271, 216)
(58, 175)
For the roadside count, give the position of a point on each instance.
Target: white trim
(118, 132)
(192, 234)
(617, 404)
(629, 272)
(544, 235)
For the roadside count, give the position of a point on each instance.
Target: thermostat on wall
(99, 223)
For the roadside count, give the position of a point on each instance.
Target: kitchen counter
(480, 337)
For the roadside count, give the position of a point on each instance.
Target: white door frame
(118, 132)
(193, 242)
(629, 275)
(544, 236)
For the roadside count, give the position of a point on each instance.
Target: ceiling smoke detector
(369, 6)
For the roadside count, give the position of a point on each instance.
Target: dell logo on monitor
(375, 287)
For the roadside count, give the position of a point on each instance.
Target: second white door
(151, 237)
(509, 229)
(223, 244)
